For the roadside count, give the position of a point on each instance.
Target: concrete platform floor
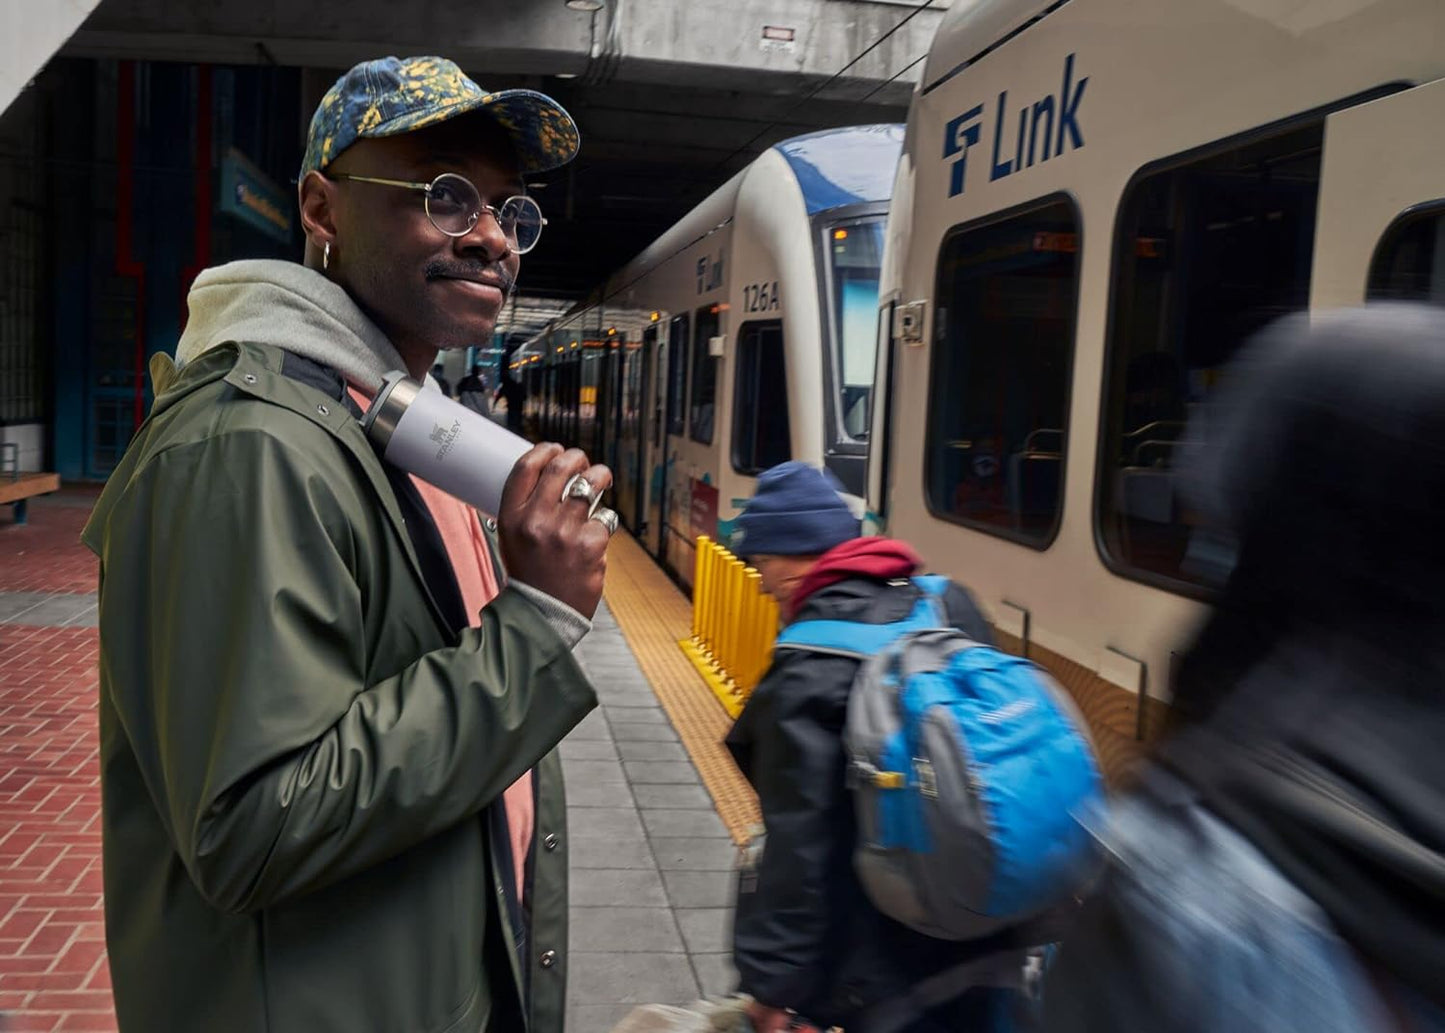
(651, 861)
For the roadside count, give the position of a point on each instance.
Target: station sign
(253, 197)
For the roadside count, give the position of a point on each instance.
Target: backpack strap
(935, 589)
(936, 585)
(842, 638)
(859, 640)
(1007, 970)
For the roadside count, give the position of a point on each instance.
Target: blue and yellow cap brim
(543, 134)
(391, 96)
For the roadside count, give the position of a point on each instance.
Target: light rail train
(744, 336)
(1098, 202)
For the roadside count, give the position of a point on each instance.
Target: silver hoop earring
(326, 256)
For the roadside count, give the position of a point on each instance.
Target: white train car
(744, 336)
(1098, 202)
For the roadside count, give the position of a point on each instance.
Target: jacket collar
(257, 370)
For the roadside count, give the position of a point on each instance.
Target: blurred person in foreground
(1281, 866)
(328, 715)
(807, 942)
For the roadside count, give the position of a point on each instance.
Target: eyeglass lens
(454, 206)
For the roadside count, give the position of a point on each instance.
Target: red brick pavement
(53, 974)
(45, 555)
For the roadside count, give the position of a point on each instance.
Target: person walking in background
(472, 391)
(807, 941)
(1281, 866)
(330, 794)
(514, 392)
(439, 375)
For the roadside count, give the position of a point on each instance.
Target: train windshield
(855, 257)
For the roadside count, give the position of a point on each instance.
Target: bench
(18, 488)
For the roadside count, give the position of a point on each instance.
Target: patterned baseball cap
(395, 95)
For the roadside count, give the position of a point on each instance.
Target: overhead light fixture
(586, 5)
(565, 75)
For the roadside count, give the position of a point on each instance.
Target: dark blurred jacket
(805, 935)
(1282, 867)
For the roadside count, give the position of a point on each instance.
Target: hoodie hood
(881, 559)
(289, 306)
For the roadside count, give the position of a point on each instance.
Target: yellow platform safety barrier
(733, 625)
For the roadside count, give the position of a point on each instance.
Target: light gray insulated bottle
(422, 431)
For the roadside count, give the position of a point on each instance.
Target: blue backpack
(970, 770)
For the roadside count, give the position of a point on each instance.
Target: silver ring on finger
(607, 518)
(580, 487)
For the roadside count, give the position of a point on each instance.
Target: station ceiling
(672, 96)
(649, 154)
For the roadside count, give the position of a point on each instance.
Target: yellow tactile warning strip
(654, 616)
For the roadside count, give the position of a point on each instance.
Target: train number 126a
(760, 297)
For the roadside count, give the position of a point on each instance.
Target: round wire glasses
(455, 206)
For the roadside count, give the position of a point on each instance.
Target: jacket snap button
(491, 524)
(249, 378)
(549, 958)
(550, 841)
(323, 410)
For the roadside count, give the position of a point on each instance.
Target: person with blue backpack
(919, 789)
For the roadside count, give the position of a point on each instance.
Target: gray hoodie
(286, 305)
(289, 306)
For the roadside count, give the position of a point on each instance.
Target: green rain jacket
(297, 750)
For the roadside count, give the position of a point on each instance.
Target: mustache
(440, 269)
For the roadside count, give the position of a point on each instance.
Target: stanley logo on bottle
(446, 437)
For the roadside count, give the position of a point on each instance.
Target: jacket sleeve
(238, 598)
(782, 933)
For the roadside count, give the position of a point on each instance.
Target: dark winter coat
(805, 935)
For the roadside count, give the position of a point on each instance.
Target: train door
(609, 409)
(674, 536)
(650, 417)
(1381, 228)
(624, 433)
(880, 435)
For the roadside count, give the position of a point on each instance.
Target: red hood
(874, 557)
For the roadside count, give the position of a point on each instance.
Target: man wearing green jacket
(304, 742)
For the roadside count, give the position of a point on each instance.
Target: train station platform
(655, 806)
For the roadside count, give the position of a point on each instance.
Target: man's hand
(773, 1020)
(547, 541)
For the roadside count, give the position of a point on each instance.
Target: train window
(704, 374)
(1003, 344)
(761, 435)
(855, 259)
(676, 374)
(1208, 252)
(1409, 264)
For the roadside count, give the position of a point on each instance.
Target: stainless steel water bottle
(422, 431)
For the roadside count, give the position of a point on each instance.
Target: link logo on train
(1045, 128)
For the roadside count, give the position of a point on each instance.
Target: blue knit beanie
(797, 511)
